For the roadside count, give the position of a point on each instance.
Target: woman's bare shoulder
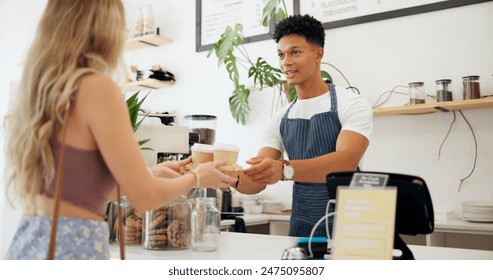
(97, 86)
(97, 81)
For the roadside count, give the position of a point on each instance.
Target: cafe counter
(246, 246)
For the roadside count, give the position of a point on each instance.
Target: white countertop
(462, 226)
(245, 246)
(451, 225)
(257, 219)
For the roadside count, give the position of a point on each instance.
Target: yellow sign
(364, 223)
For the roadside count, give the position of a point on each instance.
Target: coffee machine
(165, 143)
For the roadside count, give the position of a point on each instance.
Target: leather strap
(121, 236)
(58, 188)
(284, 162)
(58, 194)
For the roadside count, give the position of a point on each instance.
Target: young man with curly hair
(325, 129)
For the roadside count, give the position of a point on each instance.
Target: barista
(325, 129)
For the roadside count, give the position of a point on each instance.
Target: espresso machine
(166, 142)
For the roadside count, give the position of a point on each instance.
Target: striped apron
(305, 139)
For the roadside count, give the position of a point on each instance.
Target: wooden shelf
(486, 102)
(145, 42)
(146, 84)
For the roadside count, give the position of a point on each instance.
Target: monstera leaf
(273, 8)
(238, 104)
(229, 40)
(264, 74)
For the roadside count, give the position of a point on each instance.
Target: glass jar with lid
(132, 222)
(204, 125)
(443, 90)
(206, 220)
(205, 192)
(470, 87)
(417, 93)
(168, 227)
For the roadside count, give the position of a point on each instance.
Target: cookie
(178, 234)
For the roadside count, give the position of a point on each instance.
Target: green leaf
(238, 104)
(273, 7)
(264, 74)
(280, 15)
(326, 75)
(230, 39)
(291, 93)
(133, 104)
(142, 142)
(232, 67)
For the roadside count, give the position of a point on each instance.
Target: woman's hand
(212, 177)
(170, 169)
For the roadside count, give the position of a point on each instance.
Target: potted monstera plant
(230, 51)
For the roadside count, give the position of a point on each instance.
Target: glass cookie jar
(132, 222)
(168, 227)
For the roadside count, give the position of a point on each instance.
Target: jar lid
(471, 78)
(205, 148)
(226, 147)
(416, 84)
(205, 200)
(443, 81)
(200, 117)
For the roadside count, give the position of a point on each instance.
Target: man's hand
(266, 171)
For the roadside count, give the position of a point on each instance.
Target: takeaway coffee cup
(227, 152)
(202, 153)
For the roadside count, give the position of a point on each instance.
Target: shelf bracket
(148, 43)
(441, 109)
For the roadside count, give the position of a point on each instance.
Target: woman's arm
(106, 114)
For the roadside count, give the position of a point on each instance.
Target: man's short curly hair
(304, 25)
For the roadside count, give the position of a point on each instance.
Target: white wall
(18, 21)
(374, 56)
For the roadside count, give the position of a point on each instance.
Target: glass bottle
(205, 224)
(168, 227)
(471, 87)
(149, 21)
(417, 93)
(139, 23)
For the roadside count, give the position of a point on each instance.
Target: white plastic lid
(205, 148)
(226, 147)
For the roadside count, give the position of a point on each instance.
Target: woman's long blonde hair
(74, 38)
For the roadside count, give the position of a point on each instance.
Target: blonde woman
(78, 43)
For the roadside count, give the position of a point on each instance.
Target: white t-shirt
(354, 111)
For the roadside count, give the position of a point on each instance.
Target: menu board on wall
(213, 16)
(338, 13)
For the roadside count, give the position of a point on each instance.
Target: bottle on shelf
(149, 21)
(139, 23)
